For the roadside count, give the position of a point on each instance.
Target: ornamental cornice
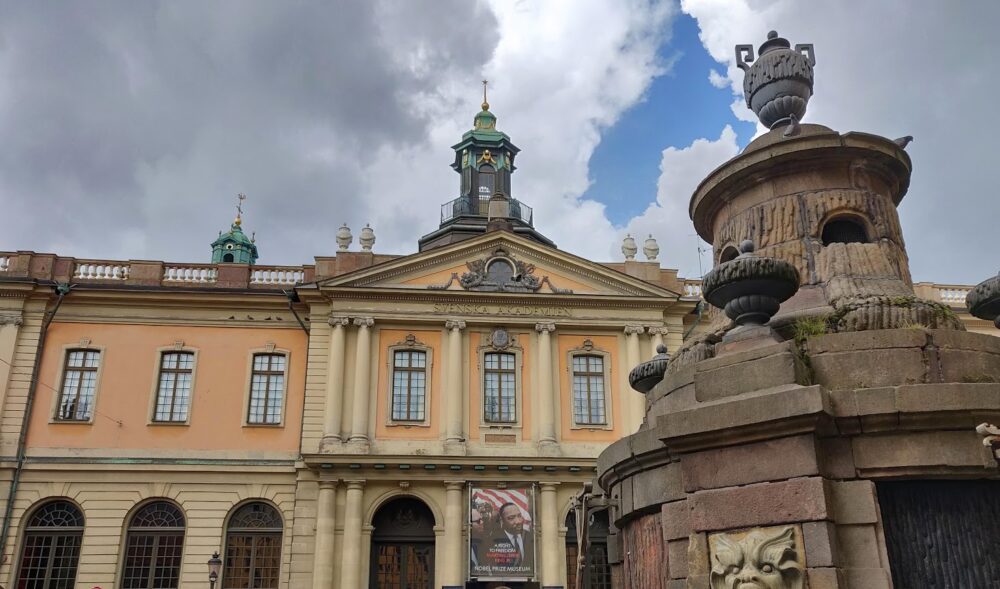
(576, 301)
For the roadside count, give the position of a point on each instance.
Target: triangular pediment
(499, 262)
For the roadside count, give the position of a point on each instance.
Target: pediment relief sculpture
(763, 558)
(500, 272)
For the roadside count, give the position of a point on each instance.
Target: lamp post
(214, 565)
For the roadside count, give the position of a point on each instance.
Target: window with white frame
(589, 401)
(173, 394)
(267, 389)
(499, 387)
(79, 383)
(409, 385)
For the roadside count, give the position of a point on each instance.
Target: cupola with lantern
(233, 246)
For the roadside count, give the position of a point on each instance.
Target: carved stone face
(761, 559)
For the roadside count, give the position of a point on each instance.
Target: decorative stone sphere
(983, 300)
(650, 248)
(629, 247)
(750, 289)
(780, 82)
(367, 238)
(344, 237)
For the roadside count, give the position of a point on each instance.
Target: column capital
(355, 484)
(454, 324)
(454, 485)
(545, 327)
(335, 321)
(328, 483)
(10, 319)
(658, 330)
(634, 329)
(363, 322)
(548, 485)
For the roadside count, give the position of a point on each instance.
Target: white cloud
(718, 80)
(681, 170)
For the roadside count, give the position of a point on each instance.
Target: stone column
(546, 396)
(550, 536)
(362, 378)
(325, 526)
(334, 383)
(656, 339)
(9, 326)
(453, 566)
(453, 398)
(351, 561)
(636, 400)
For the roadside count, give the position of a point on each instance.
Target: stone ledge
(941, 449)
(771, 460)
(765, 504)
(876, 339)
(770, 371)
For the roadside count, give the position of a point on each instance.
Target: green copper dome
(234, 246)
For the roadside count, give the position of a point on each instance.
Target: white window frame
(588, 349)
(410, 344)
(518, 352)
(248, 386)
(178, 347)
(82, 345)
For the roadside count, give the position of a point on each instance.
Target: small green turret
(233, 246)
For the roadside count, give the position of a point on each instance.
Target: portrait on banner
(501, 533)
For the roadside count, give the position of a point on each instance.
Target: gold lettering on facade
(503, 310)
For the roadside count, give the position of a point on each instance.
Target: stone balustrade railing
(31, 265)
(692, 289)
(948, 294)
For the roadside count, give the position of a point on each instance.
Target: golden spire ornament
(239, 208)
(486, 104)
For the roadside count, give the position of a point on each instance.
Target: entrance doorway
(403, 546)
(942, 534)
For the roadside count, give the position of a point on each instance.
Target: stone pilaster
(636, 401)
(325, 526)
(551, 565)
(350, 568)
(453, 399)
(546, 395)
(453, 567)
(10, 324)
(362, 380)
(334, 383)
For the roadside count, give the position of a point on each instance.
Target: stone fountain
(822, 432)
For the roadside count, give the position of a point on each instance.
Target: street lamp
(214, 565)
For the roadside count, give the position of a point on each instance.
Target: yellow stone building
(344, 424)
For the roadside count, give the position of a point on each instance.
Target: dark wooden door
(402, 546)
(942, 534)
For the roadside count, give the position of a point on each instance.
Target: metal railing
(478, 206)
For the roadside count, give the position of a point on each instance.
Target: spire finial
(486, 104)
(239, 208)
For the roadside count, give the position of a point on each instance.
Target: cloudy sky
(129, 127)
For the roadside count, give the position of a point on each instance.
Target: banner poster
(501, 532)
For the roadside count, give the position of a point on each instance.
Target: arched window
(598, 573)
(153, 547)
(402, 553)
(499, 272)
(51, 549)
(253, 547)
(227, 258)
(844, 230)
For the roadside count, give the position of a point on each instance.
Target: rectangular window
(588, 390)
(173, 396)
(499, 387)
(267, 388)
(409, 385)
(76, 398)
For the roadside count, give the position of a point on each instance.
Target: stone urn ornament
(367, 238)
(344, 237)
(983, 300)
(647, 375)
(650, 248)
(779, 83)
(629, 248)
(749, 288)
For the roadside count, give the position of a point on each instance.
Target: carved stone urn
(344, 237)
(647, 375)
(750, 289)
(983, 300)
(779, 83)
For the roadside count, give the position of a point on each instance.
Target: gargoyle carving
(760, 559)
